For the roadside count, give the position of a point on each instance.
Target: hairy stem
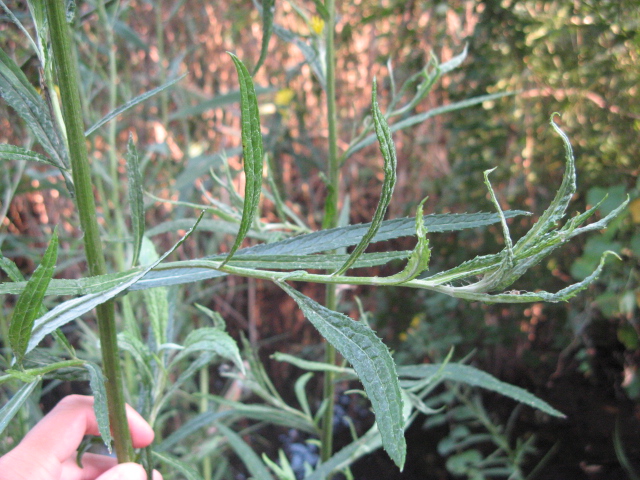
(330, 221)
(71, 109)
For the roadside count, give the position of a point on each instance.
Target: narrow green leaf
(218, 101)
(455, 62)
(72, 309)
(140, 353)
(311, 53)
(28, 305)
(321, 9)
(388, 150)
(11, 269)
(13, 152)
(268, 9)
(212, 340)
(136, 198)
(421, 117)
(186, 470)
(250, 458)
(130, 104)
(373, 364)
(23, 98)
(252, 149)
(476, 378)
(99, 392)
(558, 206)
(189, 428)
(14, 405)
(420, 256)
(18, 23)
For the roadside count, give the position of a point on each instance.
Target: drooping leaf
(16, 90)
(250, 458)
(13, 406)
(252, 150)
(140, 353)
(72, 309)
(130, 104)
(99, 392)
(212, 340)
(28, 306)
(476, 378)
(13, 152)
(373, 364)
(136, 198)
(388, 150)
(268, 8)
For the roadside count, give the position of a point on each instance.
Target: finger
(124, 471)
(60, 432)
(93, 465)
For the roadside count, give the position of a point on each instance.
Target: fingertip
(125, 471)
(156, 475)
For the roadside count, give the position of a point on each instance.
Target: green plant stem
(71, 109)
(330, 221)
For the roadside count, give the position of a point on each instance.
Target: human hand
(48, 451)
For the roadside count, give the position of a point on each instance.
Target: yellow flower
(284, 97)
(317, 24)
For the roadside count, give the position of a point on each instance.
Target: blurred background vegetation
(576, 57)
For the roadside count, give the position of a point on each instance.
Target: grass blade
(14, 405)
(130, 104)
(250, 458)
(388, 150)
(136, 198)
(99, 392)
(252, 149)
(28, 305)
(187, 471)
(373, 364)
(268, 8)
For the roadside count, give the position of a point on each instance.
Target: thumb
(128, 471)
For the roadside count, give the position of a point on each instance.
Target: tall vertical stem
(330, 221)
(70, 95)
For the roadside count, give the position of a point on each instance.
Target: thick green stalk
(71, 109)
(330, 221)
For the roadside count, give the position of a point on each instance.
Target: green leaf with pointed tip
(268, 8)
(28, 305)
(23, 98)
(558, 206)
(72, 309)
(250, 458)
(388, 150)
(14, 405)
(136, 198)
(252, 149)
(421, 117)
(130, 104)
(189, 428)
(187, 471)
(212, 340)
(99, 392)
(419, 258)
(311, 54)
(373, 364)
(13, 152)
(477, 378)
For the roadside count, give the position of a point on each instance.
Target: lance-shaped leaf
(99, 392)
(13, 152)
(212, 340)
(16, 90)
(373, 364)
(13, 406)
(136, 198)
(130, 104)
(186, 470)
(268, 8)
(72, 309)
(388, 150)
(252, 151)
(28, 306)
(477, 378)
(420, 256)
